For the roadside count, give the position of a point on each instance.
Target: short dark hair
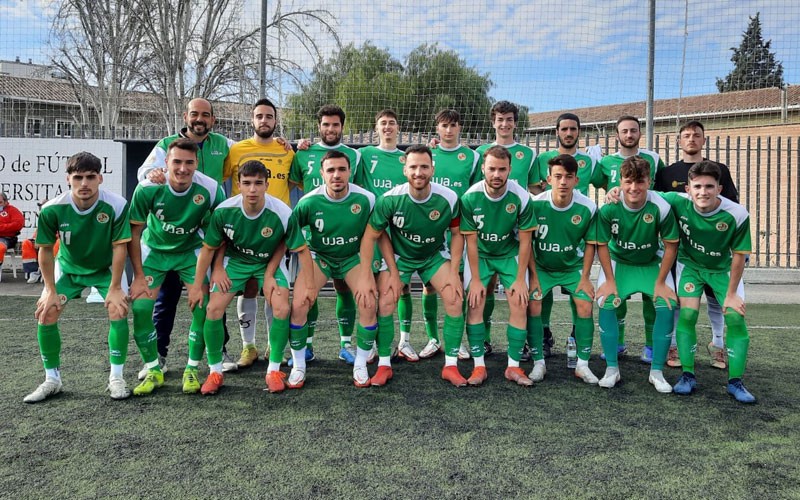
(635, 168)
(502, 107)
(333, 154)
(83, 161)
(499, 152)
(419, 148)
(265, 102)
(330, 110)
(386, 112)
(252, 168)
(448, 115)
(625, 118)
(184, 144)
(692, 124)
(705, 167)
(566, 161)
(568, 116)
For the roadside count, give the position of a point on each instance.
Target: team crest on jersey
(537, 294)
(688, 287)
(62, 299)
(323, 264)
(376, 265)
(102, 218)
(199, 199)
(648, 218)
(616, 302)
(576, 219)
(266, 232)
(520, 155)
(721, 226)
(149, 281)
(355, 209)
(403, 159)
(510, 208)
(581, 163)
(462, 156)
(434, 215)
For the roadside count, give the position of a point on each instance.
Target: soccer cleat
(50, 387)
(248, 357)
(34, 277)
(737, 389)
(647, 355)
(610, 378)
(538, 372)
(152, 381)
(228, 364)
(431, 349)
(673, 359)
(526, 354)
(478, 377)
(487, 348)
(213, 384)
(452, 375)
(383, 375)
(517, 375)
(548, 342)
(276, 381)
(463, 352)
(685, 385)
(658, 381)
(405, 351)
(361, 376)
(621, 349)
(191, 384)
(118, 388)
(309, 356)
(585, 374)
(162, 363)
(373, 355)
(719, 356)
(297, 378)
(348, 354)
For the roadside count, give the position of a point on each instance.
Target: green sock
(488, 310)
(649, 315)
(662, 336)
(311, 322)
(214, 337)
(737, 342)
(405, 310)
(609, 335)
(452, 331)
(547, 309)
(144, 331)
(686, 337)
(118, 337)
(345, 313)
(49, 345)
(197, 344)
(516, 342)
(278, 337)
(621, 313)
(535, 337)
(430, 312)
(297, 336)
(584, 333)
(385, 335)
(365, 336)
(475, 337)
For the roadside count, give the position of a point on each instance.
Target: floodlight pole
(651, 63)
(262, 61)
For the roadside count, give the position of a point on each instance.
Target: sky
(544, 55)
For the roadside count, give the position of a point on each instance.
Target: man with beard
(305, 172)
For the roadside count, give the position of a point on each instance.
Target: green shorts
(70, 286)
(691, 282)
(333, 269)
(241, 272)
(425, 268)
(633, 279)
(505, 269)
(156, 265)
(566, 279)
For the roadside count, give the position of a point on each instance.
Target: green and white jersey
(335, 226)
(562, 231)
(210, 158)
(633, 235)
(380, 170)
(305, 170)
(253, 240)
(497, 220)
(417, 228)
(173, 219)
(607, 172)
(456, 168)
(709, 240)
(87, 236)
(522, 158)
(586, 168)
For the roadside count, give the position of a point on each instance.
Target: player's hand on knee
(47, 301)
(220, 278)
(195, 296)
(139, 289)
(270, 287)
(734, 302)
(519, 292)
(665, 293)
(476, 294)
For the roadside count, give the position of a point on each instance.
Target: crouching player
(336, 214)
(565, 220)
(497, 220)
(93, 228)
(715, 240)
(628, 234)
(416, 216)
(257, 228)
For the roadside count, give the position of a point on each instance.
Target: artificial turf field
(416, 437)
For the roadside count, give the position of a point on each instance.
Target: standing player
(565, 225)
(93, 227)
(305, 172)
(628, 236)
(715, 240)
(497, 221)
(256, 228)
(416, 215)
(336, 215)
(166, 220)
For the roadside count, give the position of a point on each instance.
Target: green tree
(754, 66)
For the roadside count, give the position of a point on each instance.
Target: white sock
(451, 361)
(581, 363)
(299, 358)
(346, 340)
(116, 371)
(611, 371)
(539, 362)
(53, 373)
(513, 363)
(246, 309)
(715, 316)
(309, 340)
(385, 361)
(193, 363)
(404, 336)
(216, 368)
(479, 361)
(273, 367)
(657, 374)
(151, 364)
(361, 357)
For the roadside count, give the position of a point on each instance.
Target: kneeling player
(628, 235)
(497, 220)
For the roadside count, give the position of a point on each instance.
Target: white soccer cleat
(118, 388)
(361, 376)
(228, 363)
(610, 378)
(297, 378)
(431, 349)
(538, 372)
(463, 352)
(49, 387)
(657, 379)
(162, 363)
(585, 374)
(373, 355)
(34, 277)
(405, 351)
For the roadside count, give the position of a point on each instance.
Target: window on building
(64, 128)
(33, 127)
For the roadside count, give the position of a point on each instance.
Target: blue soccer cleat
(348, 354)
(737, 389)
(685, 385)
(647, 355)
(621, 349)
